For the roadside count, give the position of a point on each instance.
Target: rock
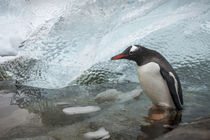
(36, 138)
(196, 130)
(11, 115)
(24, 131)
(6, 86)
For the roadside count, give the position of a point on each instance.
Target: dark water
(126, 116)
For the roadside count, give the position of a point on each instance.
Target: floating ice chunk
(107, 96)
(134, 94)
(101, 134)
(114, 95)
(81, 110)
(61, 103)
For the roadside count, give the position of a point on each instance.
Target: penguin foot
(158, 117)
(153, 107)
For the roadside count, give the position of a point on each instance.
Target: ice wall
(71, 42)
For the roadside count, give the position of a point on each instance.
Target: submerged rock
(196, 130)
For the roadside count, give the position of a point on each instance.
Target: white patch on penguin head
(133, 49)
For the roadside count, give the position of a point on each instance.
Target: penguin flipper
(174, 88)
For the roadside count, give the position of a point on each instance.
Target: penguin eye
(131, 52)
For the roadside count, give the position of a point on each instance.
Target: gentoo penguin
(157, 77)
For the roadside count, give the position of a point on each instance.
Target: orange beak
(121, 56)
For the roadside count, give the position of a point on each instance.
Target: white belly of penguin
(154, 85)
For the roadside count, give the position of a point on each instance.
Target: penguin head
(131, 53)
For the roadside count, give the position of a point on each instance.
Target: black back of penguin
(143, 56)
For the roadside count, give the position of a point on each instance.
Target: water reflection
(128, 118)
(44, 103)
(156, 128)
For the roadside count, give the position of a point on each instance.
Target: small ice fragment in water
(114, 95)
(81, 110)
(134, 94)
(61, 103)
(101, 134)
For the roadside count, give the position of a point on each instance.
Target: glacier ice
(71, 41)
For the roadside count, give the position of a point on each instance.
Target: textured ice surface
(71, 42)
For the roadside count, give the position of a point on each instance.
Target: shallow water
(32, 112)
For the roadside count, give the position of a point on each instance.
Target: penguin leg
(153, 107)
(158, 113)
(158, 117)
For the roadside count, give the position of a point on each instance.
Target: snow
(101, 134)
(81, 110)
